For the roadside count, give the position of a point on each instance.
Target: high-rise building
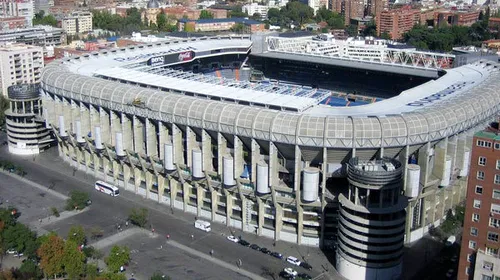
(372, 221)
(377, 6)
(396, 22)
(19, 64)
(479, 256)
(353, 9)
(18, 8)
(42, 36)
(77, 22)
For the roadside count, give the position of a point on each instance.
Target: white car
(233, 239)
(11, 251)
(293, 260)
(290, 272)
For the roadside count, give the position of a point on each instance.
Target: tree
(91, 252)
(20, 238)
(51, 254)
(204, 14)
(77, 234)
(370, 29)
(238, 28)
(4, 105)
(352, 30)
(161, 21)
(30, 270)
(73, 260)
(77, 200)
(114, 276)
(118, 256)
(91, 271)
(273, 13)
(139, 217)
(256, 16)
(385, 36)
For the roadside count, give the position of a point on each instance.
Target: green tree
(237, 12)
(238, 28)
(352, 30)
(336, 22)
(114, 276)
(73, 260)
(20, 238)
(78, 200)
(30, 270)
(4, 105)
(161, 21)
(51, 253)
(385, 36)
(204, 14)
(92, 253)
(370, 29)
(323, 14)
(138, 217)
(256, 16)
(91, 271)
(77, 234)
(273, 13)
(118, 256)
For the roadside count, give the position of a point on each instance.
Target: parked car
(244, 242)
(18, 255)
(304, 276)
(293, 260)
(265, 250)
(290, 271)
(233, 239)
(11, 251)
(277, 255)
(255, 247)
(306, 265)
(451, 240)
(284, 275)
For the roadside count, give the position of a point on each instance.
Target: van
(203, 225)
(451, 240)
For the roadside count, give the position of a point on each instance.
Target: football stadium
(354, 155)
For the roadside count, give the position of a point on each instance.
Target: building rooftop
(220, 20)
(491, 132)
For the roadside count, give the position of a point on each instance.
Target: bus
(203, 225)
(106, 188)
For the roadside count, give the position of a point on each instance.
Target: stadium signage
(155, 54)
(171, 58)
(429, 99)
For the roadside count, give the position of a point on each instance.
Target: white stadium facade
(285, 166)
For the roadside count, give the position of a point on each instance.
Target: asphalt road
(49, 170)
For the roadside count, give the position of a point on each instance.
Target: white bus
(106, 188)
(203, 225)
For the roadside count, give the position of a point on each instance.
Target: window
(480, 175)
(486, 277)
(496, 194)
(494, 222)
(497, 146)
(495, 208)
(477, 203)
(472, 244)
(470, 257)
(497, 179)
(473, 231)
(498, 164)
(488, 266)
(492, 236)
(491, 251)
(482, 161)
(484, 144)
(479, 189)
(467, 270)
(475, 217)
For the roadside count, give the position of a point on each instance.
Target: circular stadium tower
(372, 221)
(26, 129)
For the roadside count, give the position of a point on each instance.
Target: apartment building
(42, 36)
(396, 22)
(77, 22)
(255, 8)
(18, 8)
(479, 256)
(224, 24)
(20, 64)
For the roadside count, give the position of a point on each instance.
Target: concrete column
(243, 212)
(452, 152)
(260, 222)
(423, 162)
(128, 133)
(278, 222)
(273, 165)
(214, 201)
(177, 144)
(256, 158)
(161, 187)
(105, 121)
(88, 160)
(164, 138)
(221, 151)
(126, 175)
(300, 224)
(297, 175)
(149, 182)
(440, 158)
(106, 166)
(185, 197)
(200, 193)
(138, 135)
(190, 145)
(137, 179)
(238, 157)
(206, 150)
(151, 140)
(116, 171)
(97, 164)
(229, 207)
(75, 115)
(174, 186)
(67, 113)
(85, 120)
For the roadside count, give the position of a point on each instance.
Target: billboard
(171, 58)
